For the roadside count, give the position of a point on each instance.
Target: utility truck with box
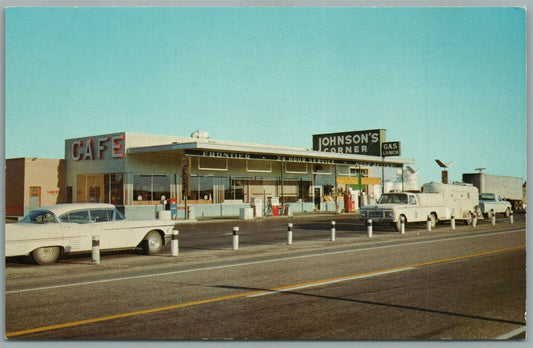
(509, 188)
(437, 202)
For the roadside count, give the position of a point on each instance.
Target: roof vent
(200, 134)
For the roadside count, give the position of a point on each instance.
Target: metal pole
(402, 225)
(333, 231)
(289, 233)
(369, 228)
(511, 218)
(453, 222)
(474, 220)
(492, 217)
(429, 223)
(235, 238)
(174, 250)
(96, 250)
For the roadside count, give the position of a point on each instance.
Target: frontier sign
(366, 142)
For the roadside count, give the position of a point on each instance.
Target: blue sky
(449, 83)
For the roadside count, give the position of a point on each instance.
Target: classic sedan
(47, 233)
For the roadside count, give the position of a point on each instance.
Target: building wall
(15, 186)
(46, 176)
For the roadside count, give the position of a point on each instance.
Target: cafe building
(200, 177)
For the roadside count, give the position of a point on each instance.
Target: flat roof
(268, 150)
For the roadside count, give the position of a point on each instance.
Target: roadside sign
(391, 148)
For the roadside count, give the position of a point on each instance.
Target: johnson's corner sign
(99, 147)
(367, 142)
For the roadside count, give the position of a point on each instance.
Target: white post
(289, 233)
(402, 225)
(96, 250)
(493, 217)
(333, 231)
(453, 222)
(429, 223)
(511, 218)
(474, 220)
(369, 228)
(235, 238)
(174, 250)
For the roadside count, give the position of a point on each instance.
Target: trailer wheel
(507, 212)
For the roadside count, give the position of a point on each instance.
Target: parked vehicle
(49, 232)
(438, 202)
(509, 188)
(492, 203)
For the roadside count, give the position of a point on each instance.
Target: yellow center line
(229, 297)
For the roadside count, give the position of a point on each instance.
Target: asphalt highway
(462, 284)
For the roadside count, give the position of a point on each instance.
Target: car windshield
(393, 198)
(38, 217)
(487, 196)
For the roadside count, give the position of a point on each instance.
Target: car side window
(45, 218)
(412, 200)
(101, 215)
(119, 215)
(80, 217)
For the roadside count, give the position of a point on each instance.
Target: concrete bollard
(96, 250)
(511, 218)
(235, 238)
(333, 231)
(174, 247)
(474, 220)
(429, 223)
(452, 222)
(402, 225)
(289, 233)
(492, 217)
(369, 228)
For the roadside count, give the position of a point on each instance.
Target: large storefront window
(151, 189)
(101, 188)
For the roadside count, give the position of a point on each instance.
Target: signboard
(367, 142)
(390, 149)
(96, 148)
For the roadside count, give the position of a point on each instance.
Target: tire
(45, 255)
(152, 243)
(468, 220)
(489, 215)
(397, 224)
(433, 220)
(507, 213)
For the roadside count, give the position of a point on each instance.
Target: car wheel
(397, 225)
(43, 256)
(152, 243)
(433, 219)
(507, 213)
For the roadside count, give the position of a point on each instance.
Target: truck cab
(493, 203)
(412, 207)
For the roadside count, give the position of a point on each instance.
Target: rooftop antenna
(480, 169)
(444, 171)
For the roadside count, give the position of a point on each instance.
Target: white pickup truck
(438, 202)
(491, 202)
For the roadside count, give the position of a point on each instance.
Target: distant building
(33, 182)
(143, 173)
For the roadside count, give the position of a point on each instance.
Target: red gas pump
(348, 203)
(274, 203)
